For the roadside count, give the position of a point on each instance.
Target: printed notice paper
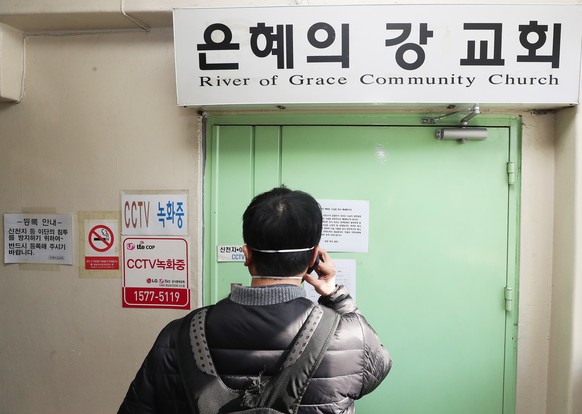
(38, 238)
(345, 225)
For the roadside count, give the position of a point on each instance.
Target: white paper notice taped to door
(345, 225)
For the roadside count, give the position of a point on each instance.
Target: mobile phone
(312, 268)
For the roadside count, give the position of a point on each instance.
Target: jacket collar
(266, 295)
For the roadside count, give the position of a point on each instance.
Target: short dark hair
(282, 219)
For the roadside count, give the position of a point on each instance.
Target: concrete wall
(537, 211)
(98, 116)
(565, 357)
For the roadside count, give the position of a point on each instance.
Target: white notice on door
(345, 225)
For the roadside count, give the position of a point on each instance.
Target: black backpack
(281, 393)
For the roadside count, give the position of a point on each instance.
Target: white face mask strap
(279, 277)
(305, 249)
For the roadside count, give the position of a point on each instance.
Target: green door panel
(232, 187)
(433, 280)
(267, 158)
(245, 161)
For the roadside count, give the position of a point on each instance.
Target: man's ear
(248, 252)
(314, 257)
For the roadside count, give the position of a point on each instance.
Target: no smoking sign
(101, 252)
(101, 238)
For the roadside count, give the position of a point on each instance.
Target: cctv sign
(154, 214)
(155, 273)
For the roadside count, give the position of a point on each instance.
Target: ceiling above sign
(379, 54)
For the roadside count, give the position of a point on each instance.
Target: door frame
(512, 123)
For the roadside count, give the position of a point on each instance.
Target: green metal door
(438, 278)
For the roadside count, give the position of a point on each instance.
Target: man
(248, 332)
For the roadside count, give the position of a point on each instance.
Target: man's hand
(324, 284)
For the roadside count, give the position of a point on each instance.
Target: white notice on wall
(38, 238)
(346, 275)
(154, 214)
(345, 225)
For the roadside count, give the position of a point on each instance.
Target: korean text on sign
(155, 273)
(154, 214)
(378, 53)
(38, 238)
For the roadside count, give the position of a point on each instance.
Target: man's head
(282, 219)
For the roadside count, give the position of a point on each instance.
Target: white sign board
(232, 253)
(345, 225)
(155, 273)
(402, 54)
(38, 238)
(154, 214)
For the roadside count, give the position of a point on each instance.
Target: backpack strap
(285, 390)
(282, 392)
(192, 377)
